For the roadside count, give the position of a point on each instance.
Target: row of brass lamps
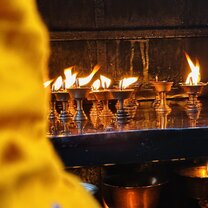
(193, 87)
(74, 88)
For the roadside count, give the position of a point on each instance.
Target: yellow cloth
(31, 175)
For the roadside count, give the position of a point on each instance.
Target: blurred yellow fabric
(31, 174)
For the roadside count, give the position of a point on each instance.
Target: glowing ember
(124, 83)
(207, 168)
(203, 172)
(85, 80)
(47, 83)
(194, 76)
(70, 78)
(96, 84)
(105, 82)
(57, 84)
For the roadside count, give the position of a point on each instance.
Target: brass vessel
(193, 92)
(132, 191)
(162, 88)
(196, 183)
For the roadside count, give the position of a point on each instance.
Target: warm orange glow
(194, 76)
(58, 83)
(105, 82)
(96, 84)
(105, 205)
(203, 173)
(85, 80)
(70, 78)
(207, 168)
(124, 83)
(47, 83)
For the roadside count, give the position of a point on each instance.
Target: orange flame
(105, 82)
(58, 83)
(207, 167)
(194, 76)
(70, 78)
(124, 83)
(203, 172)
(47, 83)
(96, 84)
(85, 80)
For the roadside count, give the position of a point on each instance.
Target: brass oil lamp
(193, 87)
(61, 95)
(162, 88)
(103, 94)
(120, 94)
(53, 115)
(95, 110)
(80, 92)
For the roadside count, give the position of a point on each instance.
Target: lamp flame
(194, 76)
(96, 84)
(207, 167)
(85, 80)
(124, 83)
(47, 83)
(105, 82)
(57, 84)
(70, 78)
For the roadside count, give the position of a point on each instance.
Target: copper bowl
(103, 94)
(132, 191)
(195, 181)
(79, 92)
(121, 94)
(193, 89)
(162, 86)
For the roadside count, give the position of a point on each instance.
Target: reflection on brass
(94, 111)
(72, 107)
(131, 109)
(79, 94)
(145, 118)
(105, 96)
(193, 92)
(196, 180)
(122, 115)
(193, 116)
(162, 119)
(95, 121)
(156, 102)
(106, 121)
(162, 87)
(123, 126)
(53, 117)
(64, 116)
(131, 103)
(131, 191)
(80, 125)
(132, 57)
(144, 49)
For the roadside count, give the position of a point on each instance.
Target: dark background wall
(96, 14)
(143, 38)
